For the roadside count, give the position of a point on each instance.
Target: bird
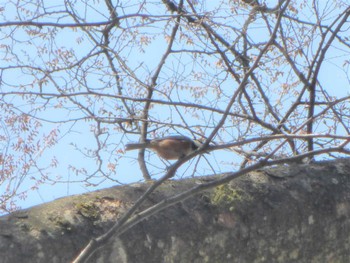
(169, 147)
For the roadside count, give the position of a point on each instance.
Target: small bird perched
(169, 147)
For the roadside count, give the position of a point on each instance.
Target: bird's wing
(174, 137)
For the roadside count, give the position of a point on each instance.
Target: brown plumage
(169, 148)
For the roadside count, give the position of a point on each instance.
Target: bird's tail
(135, 146)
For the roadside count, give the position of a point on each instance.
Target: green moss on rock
(227, 196)
(88, 209)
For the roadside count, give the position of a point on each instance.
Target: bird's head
(198, 144)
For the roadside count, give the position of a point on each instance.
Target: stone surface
(269, 215)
